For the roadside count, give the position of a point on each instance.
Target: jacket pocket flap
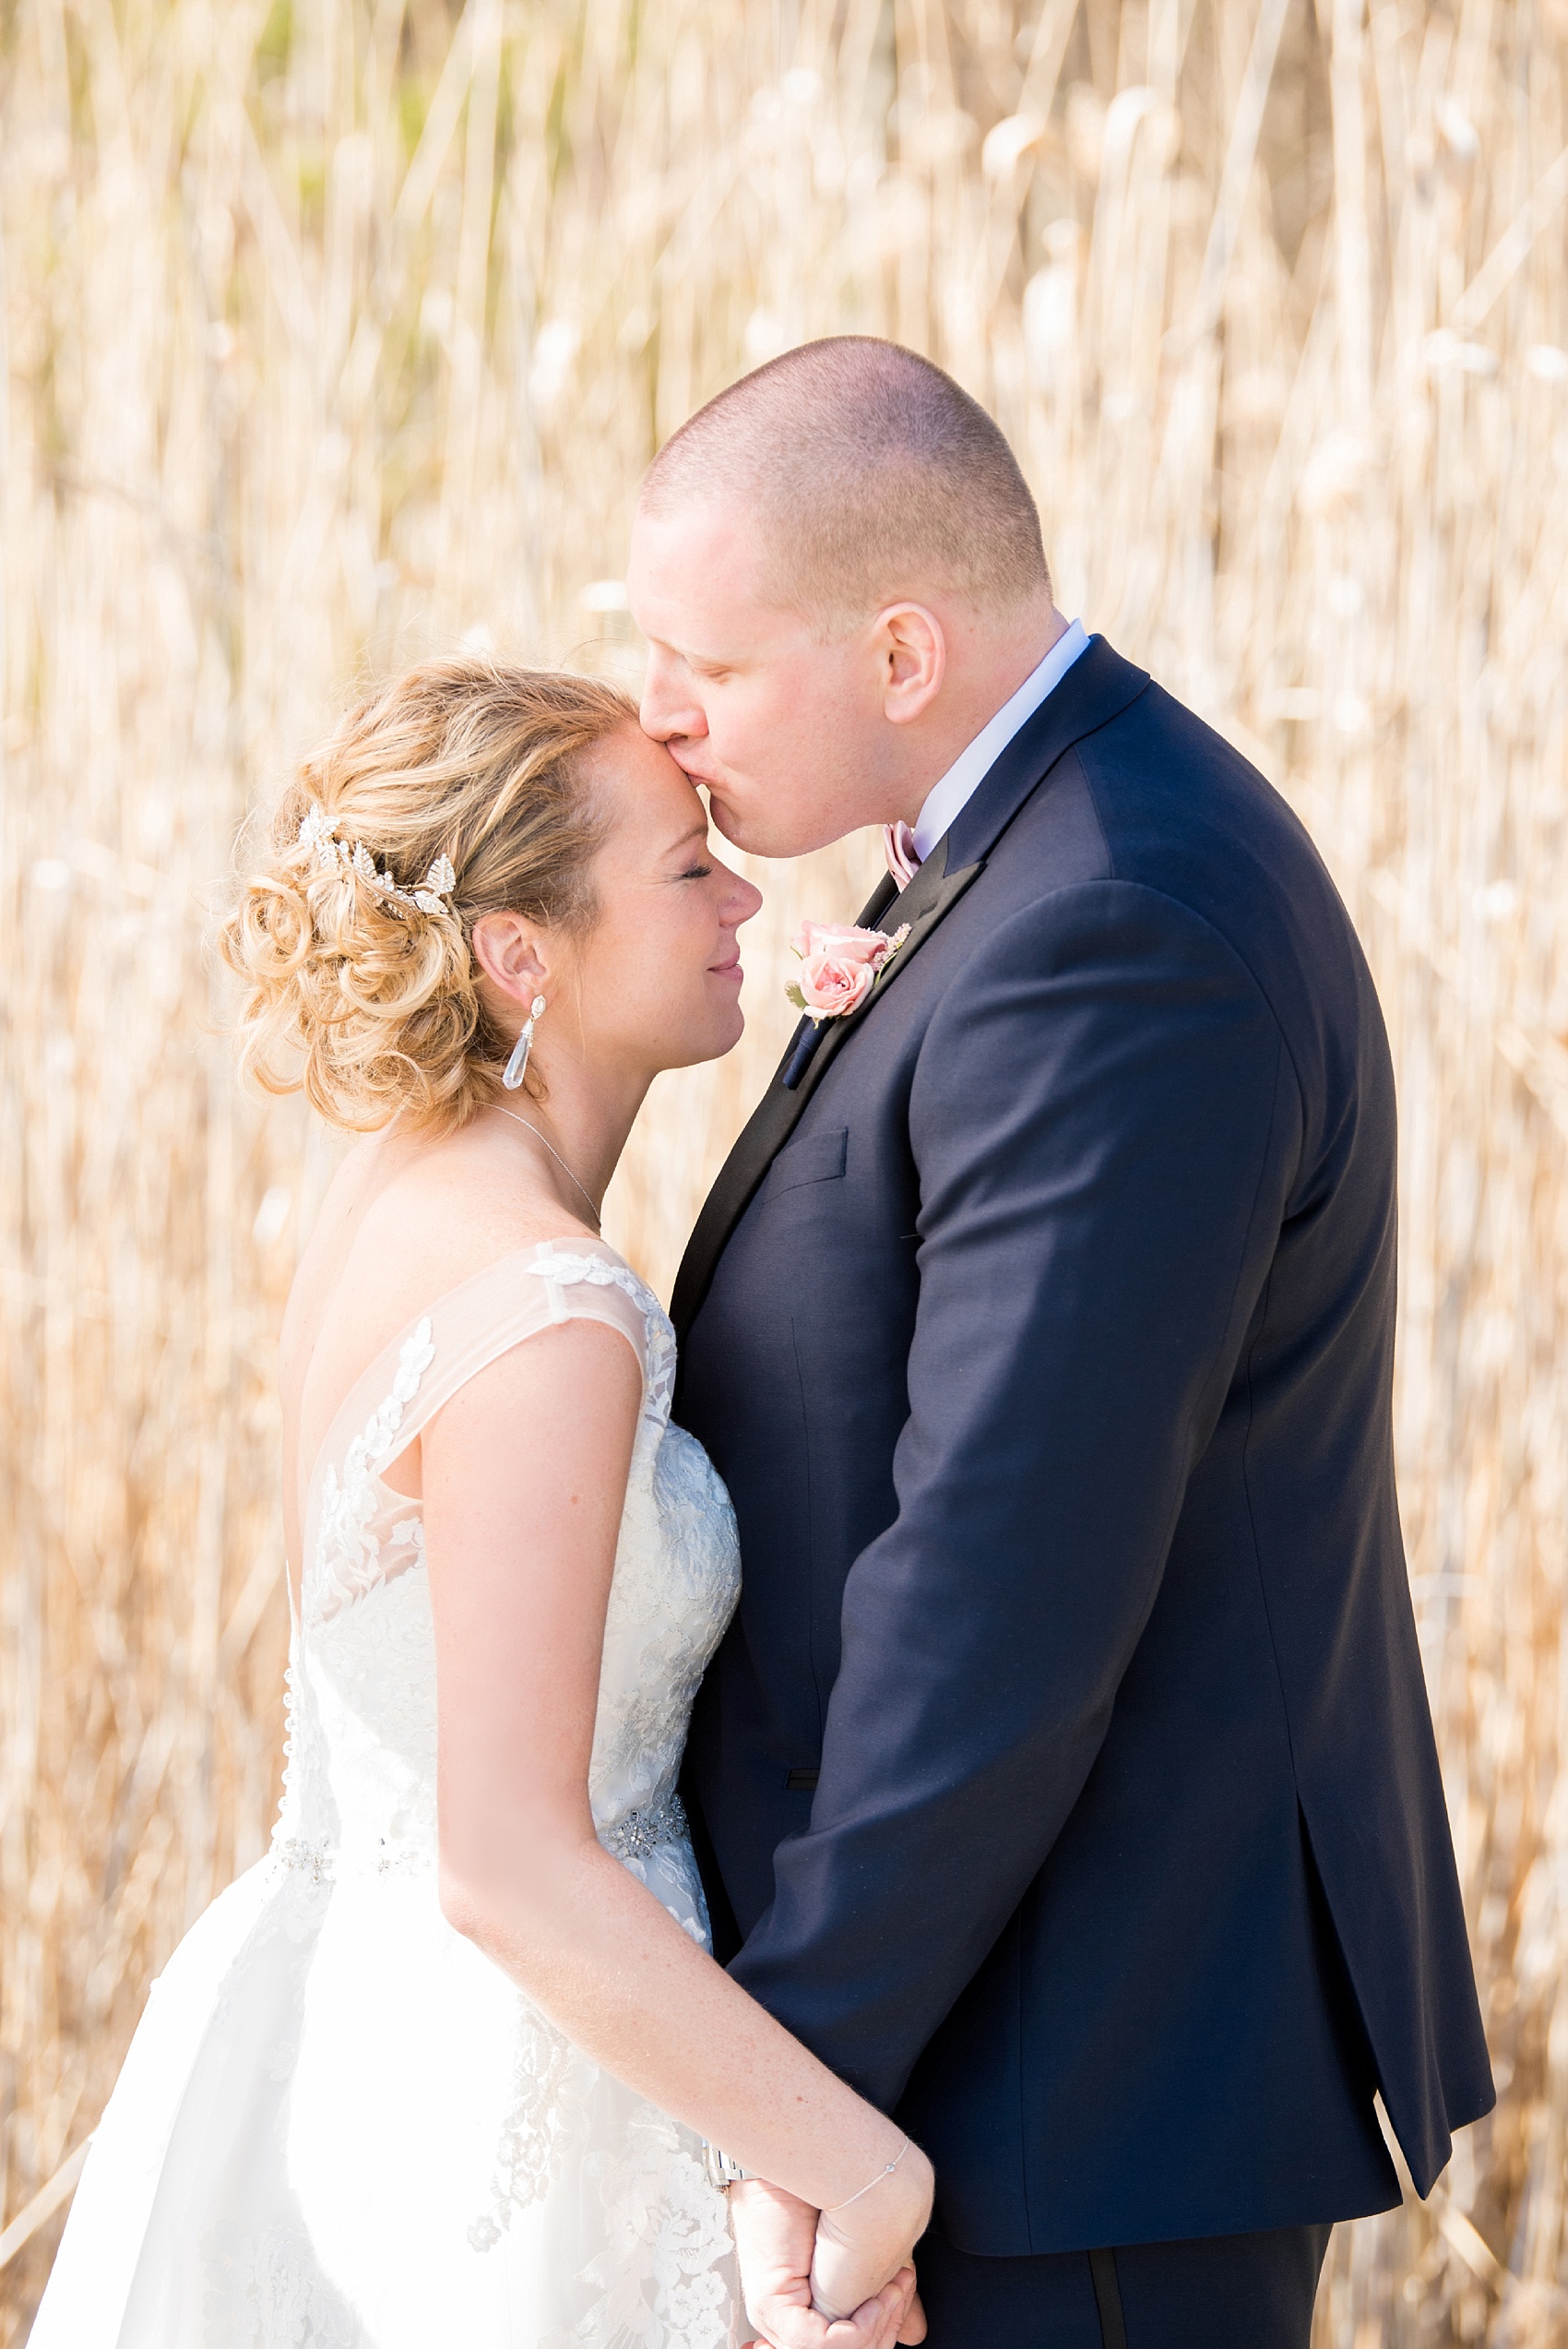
(821, 1158)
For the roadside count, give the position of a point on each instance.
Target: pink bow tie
(904, 858)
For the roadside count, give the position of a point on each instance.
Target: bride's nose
(743, 901)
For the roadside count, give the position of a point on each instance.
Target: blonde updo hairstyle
(371, 1003)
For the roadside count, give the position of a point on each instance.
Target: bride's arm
(523, 1478)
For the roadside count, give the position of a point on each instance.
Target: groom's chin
(771, 831)
(743, 831)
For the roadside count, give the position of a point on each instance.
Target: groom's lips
(730, 969)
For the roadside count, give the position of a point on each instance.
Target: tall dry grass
(336, 332)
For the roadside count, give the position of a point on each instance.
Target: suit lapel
(929, 896)
(931, 893)
(881, 897)
(1098, 686)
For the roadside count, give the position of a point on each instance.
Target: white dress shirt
(952, 794)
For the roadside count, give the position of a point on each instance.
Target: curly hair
(352, 992)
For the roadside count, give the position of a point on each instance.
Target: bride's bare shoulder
(442, 1211)
(405, 1220)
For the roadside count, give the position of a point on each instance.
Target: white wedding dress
(338, 2125)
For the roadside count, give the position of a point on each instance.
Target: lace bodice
(360, 1786)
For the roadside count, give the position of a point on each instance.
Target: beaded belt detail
(629, 1839)
(321, 1860)
(642, 1831)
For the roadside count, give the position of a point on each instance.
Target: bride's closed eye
(700, 868)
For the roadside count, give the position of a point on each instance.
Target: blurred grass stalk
(338, 332)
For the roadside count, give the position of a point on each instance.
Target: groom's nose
(668, 707)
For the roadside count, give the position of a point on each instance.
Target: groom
(1067, 1780)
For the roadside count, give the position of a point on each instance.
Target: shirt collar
(951, 795)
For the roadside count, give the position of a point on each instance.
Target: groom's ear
(912, 651)
(507, 949)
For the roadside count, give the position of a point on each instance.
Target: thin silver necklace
(555, 1153)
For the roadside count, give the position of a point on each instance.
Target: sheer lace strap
(473, 1324)
(501, 1308)
(606, 1273)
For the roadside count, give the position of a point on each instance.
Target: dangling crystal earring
(516, 1067)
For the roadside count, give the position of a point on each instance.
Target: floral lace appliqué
(268, 2291)
(667, 2274)
(539, 2122)
(349, 1558)
(598, 1274)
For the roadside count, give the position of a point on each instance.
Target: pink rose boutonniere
(839, 966)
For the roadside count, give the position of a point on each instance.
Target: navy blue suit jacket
(1067, 1779)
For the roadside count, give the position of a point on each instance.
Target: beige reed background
(339, 330)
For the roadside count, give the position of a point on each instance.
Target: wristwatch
(721, 2171)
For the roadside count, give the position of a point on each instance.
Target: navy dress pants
(1219, 2292)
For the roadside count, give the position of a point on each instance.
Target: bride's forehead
(647, 794)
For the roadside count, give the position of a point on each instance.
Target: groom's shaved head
(872, 476)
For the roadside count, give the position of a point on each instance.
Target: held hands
(856, 2265)
(863, 2240)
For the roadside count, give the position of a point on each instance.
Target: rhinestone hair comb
(329, 854)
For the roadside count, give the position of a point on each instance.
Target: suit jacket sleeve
(1105, 1123)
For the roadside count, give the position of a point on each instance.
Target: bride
(440, 2067)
